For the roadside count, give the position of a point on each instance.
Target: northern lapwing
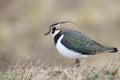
(74, 44)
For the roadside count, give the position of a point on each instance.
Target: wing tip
(115, 49)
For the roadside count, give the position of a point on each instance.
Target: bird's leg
(77, 62)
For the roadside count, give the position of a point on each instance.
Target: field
(40, 71)
(23, 24)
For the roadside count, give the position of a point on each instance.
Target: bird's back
(79, 42)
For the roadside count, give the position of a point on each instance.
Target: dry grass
(38, 71)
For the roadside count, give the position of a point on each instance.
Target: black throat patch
(57, 37)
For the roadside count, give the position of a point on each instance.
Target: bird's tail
(110, 49)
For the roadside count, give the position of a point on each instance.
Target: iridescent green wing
(81, 43)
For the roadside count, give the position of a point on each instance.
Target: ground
(40, 71)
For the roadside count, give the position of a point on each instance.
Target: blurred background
(23, 24)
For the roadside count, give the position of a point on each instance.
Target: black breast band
(57, 37)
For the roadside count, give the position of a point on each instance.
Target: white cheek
(56, 32)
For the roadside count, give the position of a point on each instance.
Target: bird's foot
(77, 63)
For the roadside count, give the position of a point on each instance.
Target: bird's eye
(53, 30)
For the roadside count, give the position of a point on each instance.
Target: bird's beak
(47, 32)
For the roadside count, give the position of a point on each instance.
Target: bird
(74, 44)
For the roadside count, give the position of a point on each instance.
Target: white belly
(66, 52)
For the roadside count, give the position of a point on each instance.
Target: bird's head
(55, 28)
